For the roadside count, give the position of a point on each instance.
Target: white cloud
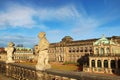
(26, 41)
(62, 13)
(17, 16)
(28, 17)
(85, 25)
(24, 16)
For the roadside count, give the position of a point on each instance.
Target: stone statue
(10, 50)
(42, 62)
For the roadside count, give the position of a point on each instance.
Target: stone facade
(106, 57)
(23, 54)
(68, 50)
(20, 54)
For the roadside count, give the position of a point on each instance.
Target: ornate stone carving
(42, 62)
(10, 51)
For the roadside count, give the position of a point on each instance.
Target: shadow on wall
(113, 65)
(83, 61)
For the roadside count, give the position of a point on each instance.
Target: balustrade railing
(24, 72)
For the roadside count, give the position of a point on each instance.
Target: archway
(105, 63)
(93, 63)
(113, 64)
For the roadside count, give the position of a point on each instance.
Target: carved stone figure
(42, 62)
(10, 50)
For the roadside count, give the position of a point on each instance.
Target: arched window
(105, 64)
(108, 50)
(86, 49)
(90, 49)
(99, 63)
(73, 49)
(81, 49)
(77, 50)
(69, 50)
(102, 51)
(113, 64)
(97, 52)
(93, 63)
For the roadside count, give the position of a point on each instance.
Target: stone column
(109, 64)
(90, 63)
(95, 63)
(102, 63)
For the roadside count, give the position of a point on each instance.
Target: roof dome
(67, 38)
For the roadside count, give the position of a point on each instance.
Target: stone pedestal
(9, 61)
(42, 67)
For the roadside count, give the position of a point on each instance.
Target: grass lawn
(57, 66)
(68, 67)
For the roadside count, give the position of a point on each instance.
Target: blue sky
(22, 20)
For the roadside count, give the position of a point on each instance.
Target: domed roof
(67, 38)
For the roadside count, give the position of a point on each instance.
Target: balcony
(105, 55)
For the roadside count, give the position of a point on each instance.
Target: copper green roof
(22, 48)
(103, 40)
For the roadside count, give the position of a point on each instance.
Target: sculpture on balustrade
(43, 58)
(10, 51)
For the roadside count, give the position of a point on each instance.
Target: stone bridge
(24, 72)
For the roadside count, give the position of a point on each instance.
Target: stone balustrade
(19, 71)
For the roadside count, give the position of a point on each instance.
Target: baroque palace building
(106, 57)
(68, 50)
(20, 54)
(23, 54)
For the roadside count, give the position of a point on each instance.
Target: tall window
(81, 49)
(99, 63)
(86, 49)
(93, 63)
(108, 50)
(97, 52)
(105, 64)
(77, 50)
(70, 50)
(113, 64)
(119, 63)
(73, 49)
(90, 49)
(102, 50)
